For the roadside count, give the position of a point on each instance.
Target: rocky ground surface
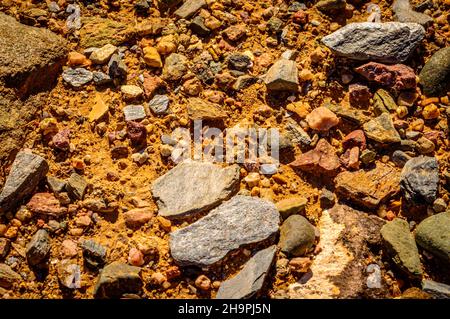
(92, 205)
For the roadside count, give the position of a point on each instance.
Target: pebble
(77, 77)
(439, 205)
(203, 283)
(297, 236)
(117, 279)
(322, 119)
(433, 235)
(152, 57)
(137, 217)
(404, 13)
(159, 104)
(103, 54)
(420, 180)
(435, 74)
(76, 186)
(134, 113)
(94, 254)
(135, 257)
(291, 205)
(397, 77)
(382, 130)
(38, 248)
(282, 76)
(131, 92)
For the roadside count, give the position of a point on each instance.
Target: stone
(131, 92)
(244, 81)
(159, 104)
(367, 156)
(137, 133)
(61, 140)
(251, 279)
(436, 289)
(189, 8)
(397, 77)
(404, 13)
(439, 205)
(400, 158)
(94, 254)
(38, 248)
(383, 102)
(382, 130)
(354, 138)
(77, 59)
(142, 7)
(99, 110)
(435, 75)
(5, 245)
(321, 160)
(326, 198)
(26, 172)
(8, 276)
(103, 54)
(198, 27)
(56, 185)
(117, 68)
(98, 32)
(151, 84)
(352, 115)
(297, 236)
(134, 113)
(368, 188)
(242, 220)
(137, 217)
(433, 235)
(175, 67)
(330, 6)
(430, 112)
(101, 78)
(275, 25)
(199, 109)
(282, 76)
(401, 247)
(359, 95)
(193, 187)
(239, 61)
(117, 279)
(69, 274)
(77, 77)
(291, 205)
(152, 57)
(69, 248)
(297, 134)
(388, 42)
(425, 146)
(322, 119)
(46, 204)
(76, 186)
(420, 180)
(235, 32)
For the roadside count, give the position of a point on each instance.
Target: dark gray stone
(101, 78)
(94, 254)
(435, 75)
(117, 279)
(117, 69)
(239, 61)
(77, 77)
(38, 248)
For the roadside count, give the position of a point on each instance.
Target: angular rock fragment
(103, 54)
(69, 274)
(97, 32)
(38, 248)
(94, 254)
(435, 75)
(159, 104)
(282, 76)
(188, 8)
(436, 289)
(8, 276)
(240, 221)
(291, 205)
(433, 235)
(117, 279)
(322, 119)
(134, 112)
(76, 186)
(397, 77)
(383, 102)
(77, 77)
(250, 280)
(175, 67)
(382, 130)
(404, 13)
(199, 109)
(46, 204)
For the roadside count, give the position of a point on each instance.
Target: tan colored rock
(152, 58)
(322, 119)
(199, 109)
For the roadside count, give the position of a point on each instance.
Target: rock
(4, 247)
(430, 112)
(330, 6)
(235, 32)
(117, 68)
(94, 254)
(404, 13)
(368, 188)
(151, 84)
(239, 61)
(117, 279)
(131, 92)
(282, 76)
(142, 7)
(199, 109)
(275, 25)
(244, 81)
(291, 205)
(8, 276)
(137, 133)
(326, 198)
(188, 8)
(69, 248)
(175, 67)
(69, 274)
(77, 77)
(135, 257)
(420, 180)
(240, 221)
(436, 289)
(367, 156)
(352, 115)
(103, 54)
(400, 158)
(322, 119)
(389, 42)
(439, 205)
(382, 130)
(198, 27)
(99, 110)
(433, 235)
(425, 146)
(38, 248)
(359, 95)
(152, 58)
(297, 134)
(101, 78)
(76, 186)
(383, 102)
(354, 138)
(134, 113)
(26, 172)
(435, 75)
(159, 104)
(401, 247)
(61, 140)
(250, 280)
(98, 32)
(321, 160)
(137, 217)
(46, 204)
(297, 236)
(77, 59)
(398, 76)
(193, 187)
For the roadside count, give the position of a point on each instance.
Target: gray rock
(297, 134)
(420, 180)
(117, 279)
(134, 113)
(436, 289)
(69, 274)
(77, 77)
(389, 42)
(401, 247)
(76, 186)
(197, 26)
(101, 78)
(8, 276)
(244, 81)
(435, 75)
(175, 66)
(249, 281)
(159, 104)
(404, 13)
(400, 158)
(188, 8)
(26, 172)
(382, 130)
(38, 248)
(433, 235)
(326, 198)
(56, 185)
(239, 61)
(240, 221)
(282, 76)
(296, 235)
(94, 254)
(117, 69)
(193, 187)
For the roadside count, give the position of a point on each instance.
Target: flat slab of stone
(26, 172)
(188, 8)
(249, 281)
(389, 42)
(192, 187)
(368, 188)
(436, 289)
(242, 220)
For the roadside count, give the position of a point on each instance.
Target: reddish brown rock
(61, 140)
(235, 32)
(137, 217)
(321, 160)
(322, 119)
(359, 95)
(136, 133)
(355, 138)
(350, 159)
(397, 77)
(151, 84)
(46, 204)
